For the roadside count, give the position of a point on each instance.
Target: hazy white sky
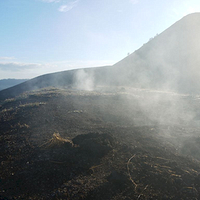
(43, 36)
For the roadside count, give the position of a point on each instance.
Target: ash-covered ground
(112, 143)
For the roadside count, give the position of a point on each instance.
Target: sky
(44, 36)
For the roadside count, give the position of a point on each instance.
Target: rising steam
(84, 80)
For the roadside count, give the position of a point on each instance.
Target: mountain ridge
(173, 54)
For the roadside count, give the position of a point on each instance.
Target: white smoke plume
(84, 80)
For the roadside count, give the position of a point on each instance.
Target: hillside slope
(80, 78)
(170, 61)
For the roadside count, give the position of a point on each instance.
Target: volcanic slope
(170, 61)
(70, 144)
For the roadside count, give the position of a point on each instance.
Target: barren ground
(67, 144)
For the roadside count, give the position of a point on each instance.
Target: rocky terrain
(103, 144)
